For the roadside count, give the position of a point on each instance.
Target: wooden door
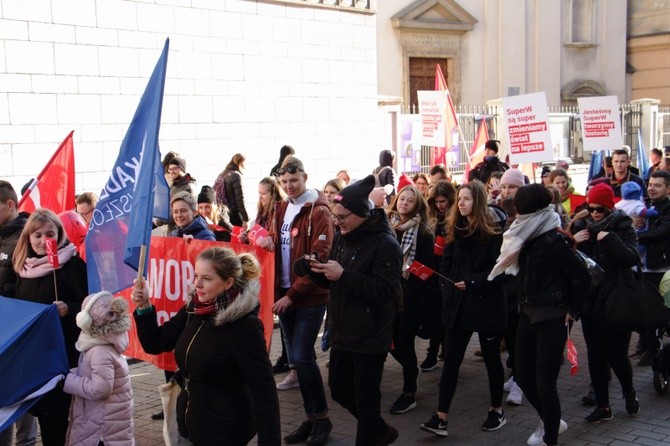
(422, 76)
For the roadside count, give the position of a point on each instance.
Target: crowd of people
(503, 261)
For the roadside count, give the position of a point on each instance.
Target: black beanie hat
(531, 198)
(206, 195)
(179, 162)
(355, 196)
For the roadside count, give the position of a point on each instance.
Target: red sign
(257, 233)
(170, 271)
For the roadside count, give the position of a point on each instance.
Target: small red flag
(54, 186)
(572, 357)
(420, 270)
(52, 252)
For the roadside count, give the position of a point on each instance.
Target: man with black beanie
(364, 271)
(491, 163)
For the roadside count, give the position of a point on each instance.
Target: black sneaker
(435, 425)
(320, 432)
(428, 364)
(281, 366)
(590, 398)
(494, 421)
(632, 405)
(301, 434)
(389, 436)
(599, 414)
(404, 403)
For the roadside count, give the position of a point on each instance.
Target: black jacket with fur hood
(231, 389)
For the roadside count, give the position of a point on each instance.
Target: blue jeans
(301, 328)
(26, 432)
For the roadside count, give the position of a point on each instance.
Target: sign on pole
(527, 121)
(601, 123)
(432, 108)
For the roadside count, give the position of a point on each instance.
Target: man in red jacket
(302, 225)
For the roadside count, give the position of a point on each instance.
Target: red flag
(438, 248)
(420, 270)
(477, 150)
(52, 252)
(54, 186)
(572, 357)
(439, 155)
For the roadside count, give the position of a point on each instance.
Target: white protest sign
(527, 118)
(601, 124)
(432, 108)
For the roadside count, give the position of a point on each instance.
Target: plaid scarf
(214, 306)
(410, 231)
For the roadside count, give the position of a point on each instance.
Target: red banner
(170, 270)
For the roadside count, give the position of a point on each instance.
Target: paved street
(650, 427)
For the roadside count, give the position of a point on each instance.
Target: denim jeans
(539, 353)
(354, 380)
(26, 432)
(301, 328)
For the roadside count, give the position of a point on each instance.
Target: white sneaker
(290, 382)
(538, 436)
(508, 384)
(515, 395)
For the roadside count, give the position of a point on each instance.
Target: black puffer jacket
(9, 236)
(615, 254)
(552, 279)
(481, 307)
(362, 303)
(657, 237)
(231, 391)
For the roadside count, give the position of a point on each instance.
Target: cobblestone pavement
(650, 427)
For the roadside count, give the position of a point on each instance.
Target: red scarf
(213, 306)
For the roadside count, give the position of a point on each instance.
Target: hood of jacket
(244, 304)
(14, 225)
(386, 158)
(198, 224)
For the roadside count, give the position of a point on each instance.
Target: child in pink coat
(102, 407)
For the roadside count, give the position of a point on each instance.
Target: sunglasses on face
(289, 169)
(598, 209)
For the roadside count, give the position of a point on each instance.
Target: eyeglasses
(339, 219)
(598, 209)
(289, 169)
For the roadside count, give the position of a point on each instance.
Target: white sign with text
(432, 108)
(527, 121)
(601, 123)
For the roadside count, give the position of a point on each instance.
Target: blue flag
(32, 355)
(135, 192)
(642, 160)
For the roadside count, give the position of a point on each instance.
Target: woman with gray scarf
(553, 281)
